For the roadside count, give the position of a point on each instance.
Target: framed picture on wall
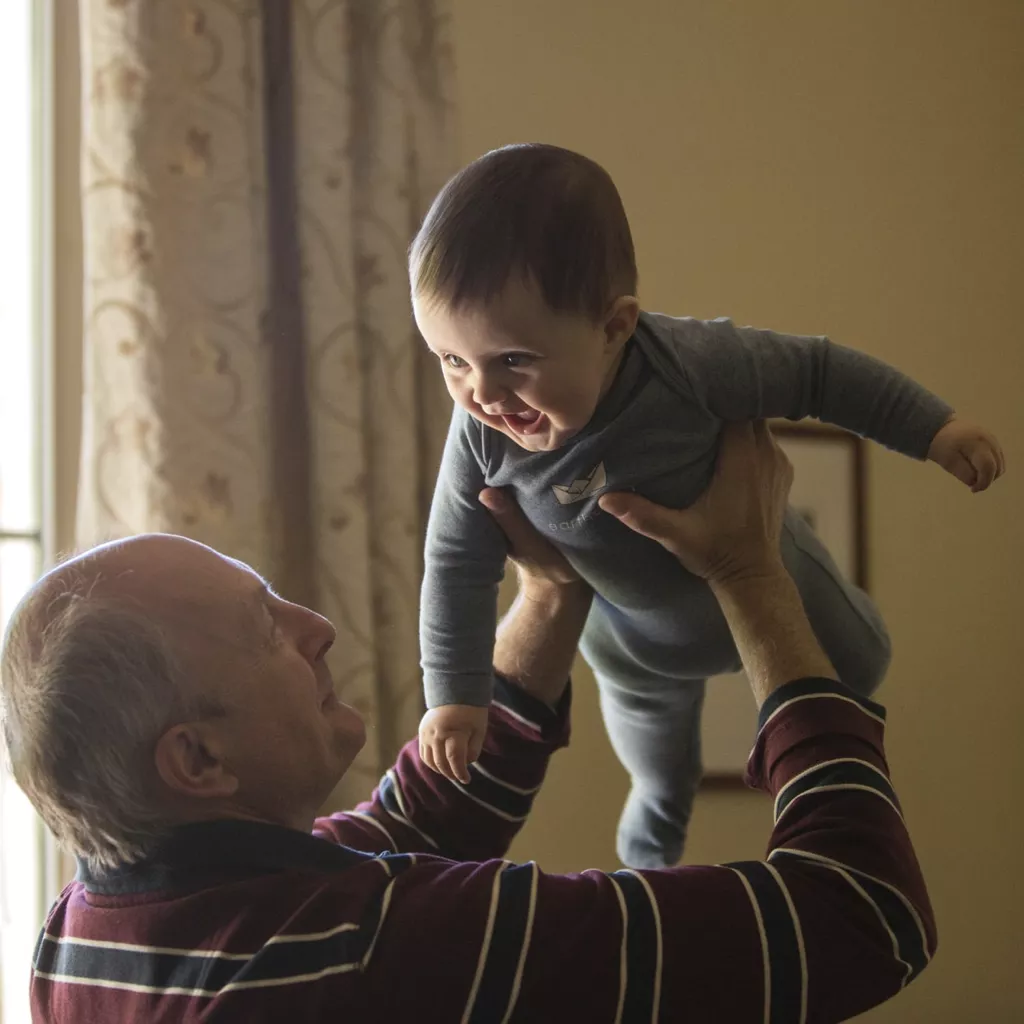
(829, 491)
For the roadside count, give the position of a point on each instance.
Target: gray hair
(88, 684)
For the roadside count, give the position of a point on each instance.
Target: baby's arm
(741, 373)
(463, 563)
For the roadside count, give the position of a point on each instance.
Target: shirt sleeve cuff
(531, 715)
(813, 687)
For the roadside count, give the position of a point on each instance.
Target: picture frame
(830, 490)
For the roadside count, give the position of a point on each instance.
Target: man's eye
(273, 631)
(516, 359)
(455, 362)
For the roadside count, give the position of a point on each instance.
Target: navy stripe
(641, 950)
(784, 967)
(206, 975)
(902, 922)
(847, 773)
(277, 961)
(389, 798)
(127, 967)
(806, 687)
(398, 862)
(38, 951)
(493, 793)
(507, 940)
(389, 790)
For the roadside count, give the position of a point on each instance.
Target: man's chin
(349, 733)
(351, 723)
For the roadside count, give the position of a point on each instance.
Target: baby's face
(518, 367)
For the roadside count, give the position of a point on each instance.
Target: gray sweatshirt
(656, 432)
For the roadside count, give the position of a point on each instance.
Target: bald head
(153, 681)
(164, 576)
(99, 659)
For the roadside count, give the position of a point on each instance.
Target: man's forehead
(214, 577)
(257, 588)
(214, 597)
(245, 568)
(187, 587)
(173, 571)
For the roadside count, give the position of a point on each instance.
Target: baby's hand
(969, 452)
(451, 738)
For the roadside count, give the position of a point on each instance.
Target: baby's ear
(620, 322)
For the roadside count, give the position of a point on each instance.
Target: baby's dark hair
(540, 212)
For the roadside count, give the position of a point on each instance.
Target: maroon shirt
(402, 909)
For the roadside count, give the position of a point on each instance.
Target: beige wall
(856, 169)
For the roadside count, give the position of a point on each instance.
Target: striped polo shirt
(404, 910)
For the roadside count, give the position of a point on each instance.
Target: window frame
(49, 868)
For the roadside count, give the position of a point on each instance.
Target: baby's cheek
(565, 397)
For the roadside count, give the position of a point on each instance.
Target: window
(28, 866)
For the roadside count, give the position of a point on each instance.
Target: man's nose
(315, 635)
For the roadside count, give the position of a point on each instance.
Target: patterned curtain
(253, 171)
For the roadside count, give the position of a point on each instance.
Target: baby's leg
(653, 721)
(654, 727)
(846, 621)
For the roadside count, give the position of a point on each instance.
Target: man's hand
(730, 537)
(733, 529)
(451, 738)
(969, 452)
(538, 562)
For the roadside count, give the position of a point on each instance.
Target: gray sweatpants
(653, 718)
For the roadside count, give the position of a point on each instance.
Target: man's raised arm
(416, 809)
(833, 921)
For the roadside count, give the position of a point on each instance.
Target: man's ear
(620, 321)
(190, 762)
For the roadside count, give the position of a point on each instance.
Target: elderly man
(174, 722)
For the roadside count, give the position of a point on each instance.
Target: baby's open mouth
(527, 422)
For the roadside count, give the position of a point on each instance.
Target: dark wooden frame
(786, 428)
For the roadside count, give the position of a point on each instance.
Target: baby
(524, 285)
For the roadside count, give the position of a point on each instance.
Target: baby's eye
(454, 361)
(516, 359)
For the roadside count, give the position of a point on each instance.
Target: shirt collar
(208, 851)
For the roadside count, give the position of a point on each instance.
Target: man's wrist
(766, 617)
(536, 641)
(551, 593)
(766, 571)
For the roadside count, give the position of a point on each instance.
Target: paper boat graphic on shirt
(582, 488)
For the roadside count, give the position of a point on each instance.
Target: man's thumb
(639, 514)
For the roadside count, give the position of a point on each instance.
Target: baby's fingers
(427, 757)
(1000, 459)
(476, 747)
(456, 756)
(986, 467)
(962, 468)
(440, 757)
